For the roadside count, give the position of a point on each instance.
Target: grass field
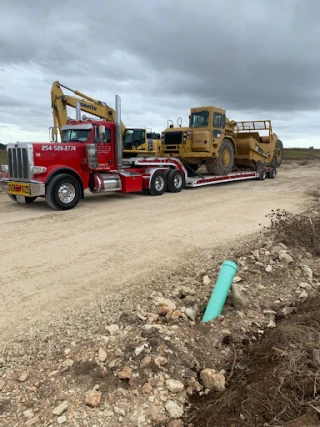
(3, 157)
(301, 154)
(289, 154)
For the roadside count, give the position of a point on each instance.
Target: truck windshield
(80, 135)
(199, 119)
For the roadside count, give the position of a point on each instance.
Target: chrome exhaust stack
(118, 134)
(78, 111)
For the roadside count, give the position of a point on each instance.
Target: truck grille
(18, 163)
(173, 138)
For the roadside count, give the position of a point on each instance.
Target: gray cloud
(252, 58)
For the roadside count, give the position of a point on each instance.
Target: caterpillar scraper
(222, 145)
(136, 141)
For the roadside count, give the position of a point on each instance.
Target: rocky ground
(145, 365)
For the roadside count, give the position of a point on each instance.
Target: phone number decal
(59, 148)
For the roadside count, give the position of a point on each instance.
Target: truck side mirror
(53, 137)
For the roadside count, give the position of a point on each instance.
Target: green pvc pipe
(220, 291)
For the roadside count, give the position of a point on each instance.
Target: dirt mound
(297, 230)
(277, 377)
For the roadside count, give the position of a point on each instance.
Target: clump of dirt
(279, 380)
(297, 230)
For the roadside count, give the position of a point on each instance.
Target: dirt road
(50, 260)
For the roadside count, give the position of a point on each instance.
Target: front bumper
(27, 189)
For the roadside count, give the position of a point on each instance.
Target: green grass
(301, 154)
(3, 157)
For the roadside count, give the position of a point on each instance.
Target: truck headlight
(4, 168)
(36, 170)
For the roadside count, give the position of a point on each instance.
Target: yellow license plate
(19, 188)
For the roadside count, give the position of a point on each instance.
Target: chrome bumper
(36, 188)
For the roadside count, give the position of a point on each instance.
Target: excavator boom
(60, 101)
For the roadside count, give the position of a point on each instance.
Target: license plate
(18, 188)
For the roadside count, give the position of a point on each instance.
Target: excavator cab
(133, 138)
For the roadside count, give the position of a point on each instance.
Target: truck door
(105, 149)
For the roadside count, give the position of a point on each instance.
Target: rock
(271, 324)
(92, 398)
(256, 254)
(28, 413)
(268, 268)
(62, 420)
(239, 301)
(60, 409)
(125, 374)
(68, 363)
(305, 285)
(145, 362)
(303, 294)
(23, 376)
(285, 257)
(160, 301)
(33, 421)
(307, 271)
(2, 362)
(190, 312)
(140, 349)
(113, 329)
(174, 386)
(206, 280)
(160, 361)
(275, 250)
(213, 379)
(185, 291)
(119, 411)
(147, 388)
(102, 355)
(283, 246)
(236, 279)
(174, 410)
(176, 423)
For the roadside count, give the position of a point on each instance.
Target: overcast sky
(258, 59)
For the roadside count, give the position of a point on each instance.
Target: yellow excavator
(136, 141)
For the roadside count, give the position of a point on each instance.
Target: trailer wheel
(278, 153)
(158, 184)
(175, 181)
(262, 175)
(272, 174)
(222, 165)
(63, 192)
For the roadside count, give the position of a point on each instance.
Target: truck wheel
(175, 181)
(278, 153)
(225, 162)
(158, 184)
(63, 192)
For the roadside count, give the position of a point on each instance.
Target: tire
(27, 199)
(278, 154)
(61, 201)
(262, 175)
(158, 184)
(176, 181)
(272, 174)
(222, 165)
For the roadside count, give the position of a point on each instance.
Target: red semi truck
(89, 156)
